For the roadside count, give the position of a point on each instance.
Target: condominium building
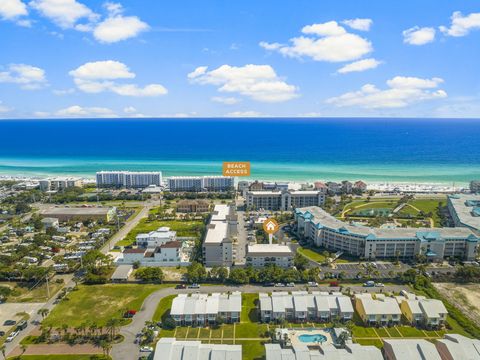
(203, 309)
(172, 349)
(284, 200)
(324, 230)
(156, 238)
(325, 352)
(200, 183)
(465, 210)
(475, 186)
(303, 306)
(420, 311)
(261, 255)
(458, 347)
(360, 186)
(193, 206)
(59, 183)
(410, 349)
(127, 179)
(221, 231)
(377, 309)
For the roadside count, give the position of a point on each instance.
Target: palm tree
(24, 348)
(3, 349)
(112, 325)
(43, 312)
(65, 329)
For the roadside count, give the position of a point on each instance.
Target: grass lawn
(382, 332)
(408, 331)
(204, 333)
(163, 308)
(360, 331)
(217, 332)
(99, 303)
(250, 330)
(228, 332)
(58, 357)
(375, 342)
(311, 254)
(23, 292)
(181, 332)
(252, 350)
(249, 308)
(183, 229)
(193, 333)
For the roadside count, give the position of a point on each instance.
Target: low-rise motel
(324, 230)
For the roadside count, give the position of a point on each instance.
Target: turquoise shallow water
(375, 150)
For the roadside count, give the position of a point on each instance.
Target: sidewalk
(57, 349)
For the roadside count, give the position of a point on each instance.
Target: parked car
(380, 285)
(369, 283)
(9, 323)
(279, 285)
(312, 284)
(270, 284)
(22, 325)
(2, 333)
(290, 284)
(181, 286)
(129, 314)
(146, 349)
(12, 336)
(194, 286)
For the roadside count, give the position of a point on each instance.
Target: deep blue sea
(375, 150)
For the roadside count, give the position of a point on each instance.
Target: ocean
(443, 151)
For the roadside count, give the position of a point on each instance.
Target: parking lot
(13, 311)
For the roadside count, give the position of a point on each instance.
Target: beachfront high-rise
(323, 229)
(284, 200)
(128, 179)
(200, 183)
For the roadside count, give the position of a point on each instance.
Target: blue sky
(79, 58)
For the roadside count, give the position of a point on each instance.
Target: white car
(312, 284)
(12, 336)
(146, 349)
(380, 285)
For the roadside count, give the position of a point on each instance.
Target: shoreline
(381, 186)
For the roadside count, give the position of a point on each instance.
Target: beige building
(59, 183)
(377, 309)
(81, 213)
(284, 200)
(260, 255)
(193, 206)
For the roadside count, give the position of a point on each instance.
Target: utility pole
(48, 287)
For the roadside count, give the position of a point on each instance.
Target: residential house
(378, 309)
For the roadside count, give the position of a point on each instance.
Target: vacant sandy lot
(464, 296)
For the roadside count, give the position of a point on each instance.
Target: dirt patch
(464, 296)
(57, 349)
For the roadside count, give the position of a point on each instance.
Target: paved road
(129, 225)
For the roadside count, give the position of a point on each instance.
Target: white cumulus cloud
(360, 65)
(64, 13)
(248, 113)
(419, 36)
(324, 42)
(359, 24)
(27, 76)
(226, 100)
(79, 111)
(258, 82)
(401, 92)
(117, 27)
(461, 25)
(100, 76)
(4, 108)
(12, 9)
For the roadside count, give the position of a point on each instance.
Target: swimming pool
(313, 338)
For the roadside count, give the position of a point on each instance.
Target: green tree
(300, 262)
(196, 273)
(238, 276)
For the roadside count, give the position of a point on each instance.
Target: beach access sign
(236, 168)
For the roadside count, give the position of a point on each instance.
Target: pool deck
(294, 335)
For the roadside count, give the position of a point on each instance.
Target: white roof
(220, 212)
(432, 308)
(265, 302)
(326, 352)
(382, 306)
(461, 347)
(412, 349)
(171, 349)
(269, 250)
(216, 232)
(206, 304)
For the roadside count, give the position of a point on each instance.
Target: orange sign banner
(236, 168)
(270, 226)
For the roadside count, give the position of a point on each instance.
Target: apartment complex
(410, 349)
(260, 255)
(458, 347)
(420, 311)
(200, 183)
(325, 352)
(465, 211)
(172, 349)
(322, 229)
(128, 179)
(203, 309)
(221, 231)
(303, 306)
(193, 206)
(475, 186)
(59, 183)
(284, 200)
(377, 309)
